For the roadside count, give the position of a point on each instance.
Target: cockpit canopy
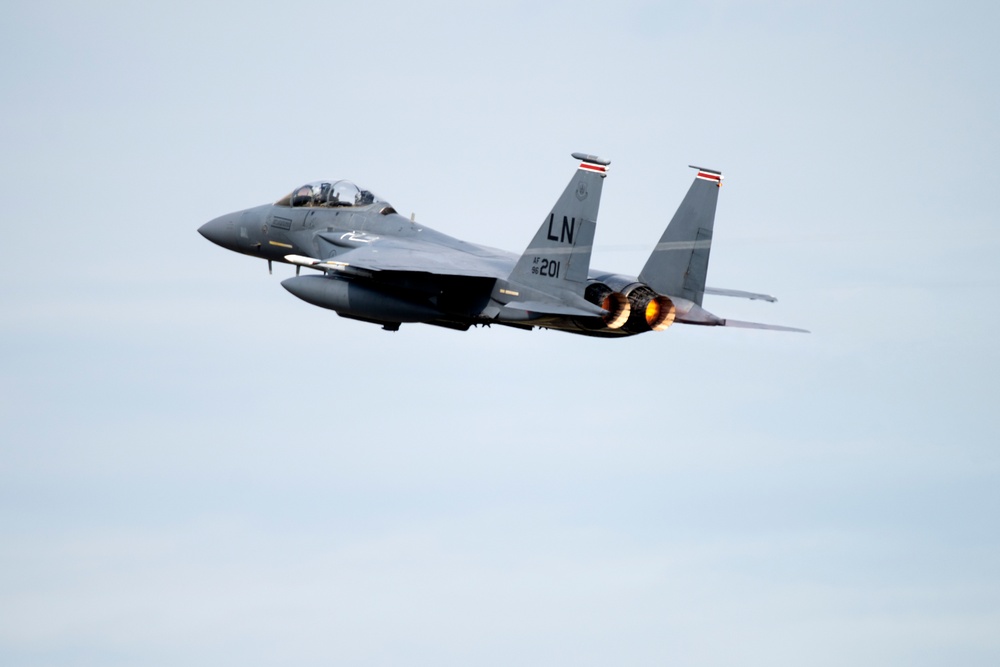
(330, 194)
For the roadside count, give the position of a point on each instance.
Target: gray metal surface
(679, 263)
(378, 266)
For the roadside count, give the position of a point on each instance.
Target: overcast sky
(197, 468)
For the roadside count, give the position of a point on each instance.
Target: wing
(392, 254)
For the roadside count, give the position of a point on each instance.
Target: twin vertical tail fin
(558, 257)
(679, 263)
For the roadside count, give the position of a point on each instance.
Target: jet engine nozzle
(618, 309)
(660, 313)
(616, 303)
(649, 311)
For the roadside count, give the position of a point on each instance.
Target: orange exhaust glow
(660, 313)
(618, 310)
(652, 313)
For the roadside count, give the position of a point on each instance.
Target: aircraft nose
(220, 231)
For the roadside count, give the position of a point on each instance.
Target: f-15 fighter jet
(378, 266)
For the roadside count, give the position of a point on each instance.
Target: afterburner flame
(652, 313)
(618, 310)
(660, 313)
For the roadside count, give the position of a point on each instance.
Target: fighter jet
(378, 266)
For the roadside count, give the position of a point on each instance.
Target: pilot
(342, 194)
(302, 196)
(320, 193)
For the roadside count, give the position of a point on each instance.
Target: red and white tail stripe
(590, 166)
(708, 175)
(593, 163)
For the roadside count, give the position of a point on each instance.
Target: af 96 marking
(546, 267)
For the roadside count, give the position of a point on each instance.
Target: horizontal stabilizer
(757, 325)
(753, 296)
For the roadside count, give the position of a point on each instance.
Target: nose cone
(221, 231)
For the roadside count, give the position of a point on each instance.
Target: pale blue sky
(197, 468)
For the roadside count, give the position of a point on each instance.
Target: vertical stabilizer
(558, 258)
(679, 263)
